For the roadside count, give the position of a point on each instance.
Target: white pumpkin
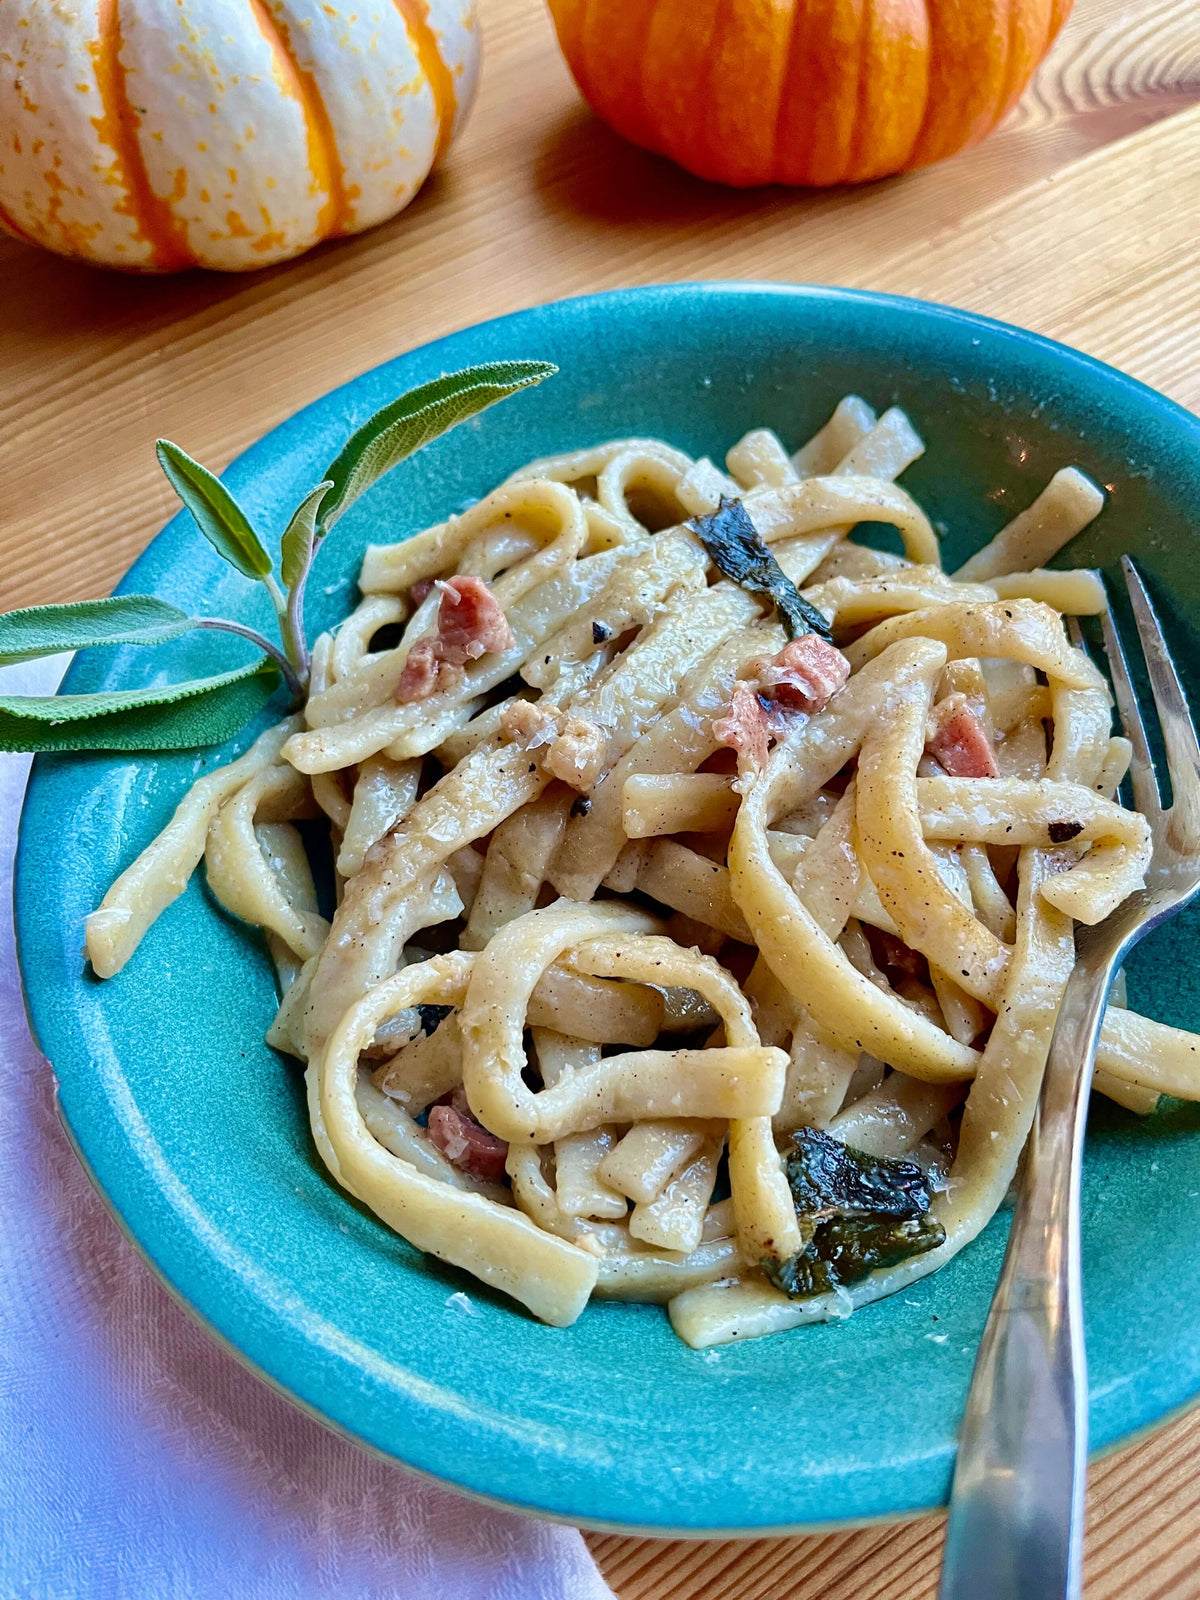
(161, 134)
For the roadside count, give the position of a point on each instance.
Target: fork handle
(1016, 1511)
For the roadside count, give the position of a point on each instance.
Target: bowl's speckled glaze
(195, 1130)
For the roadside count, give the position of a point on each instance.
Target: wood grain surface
(1079, 218)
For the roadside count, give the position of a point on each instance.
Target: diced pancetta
(470, 621)
(465, 1144)
(421, 672)
(958, 741)
(470, 624)
(744, 727)
(805, 675)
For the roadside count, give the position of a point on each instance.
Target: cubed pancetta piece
(805, 675)
(958, 741)
(470, 624)
(470, 621)
(465, 1144)
(421, 672)
(744, 727)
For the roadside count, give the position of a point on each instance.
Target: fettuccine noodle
(638, 884)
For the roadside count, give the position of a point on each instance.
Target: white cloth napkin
(137, 1459)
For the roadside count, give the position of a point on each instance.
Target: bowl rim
(906, 305)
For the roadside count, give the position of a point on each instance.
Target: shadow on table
(45, 297)
(583, 168)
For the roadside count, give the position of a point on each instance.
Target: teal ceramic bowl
(195, 1130)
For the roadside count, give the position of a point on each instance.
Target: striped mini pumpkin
(156, 135)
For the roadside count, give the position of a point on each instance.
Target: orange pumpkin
(804, 91)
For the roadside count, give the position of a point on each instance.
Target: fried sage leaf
(737, 548)
(844, 1250)
(859, 1213)
(432, 1017)
(826, 1175)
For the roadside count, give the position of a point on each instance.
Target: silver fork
(1016, 1512)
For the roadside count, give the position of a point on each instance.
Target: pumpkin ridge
(931, 107)
(710, 93)
(624, 99)
(919, 125)
(893, 87)
(825, 83)
(1022, 64)
(855, 130)
(1012, 65)
(644, 104)
(324, 162)
(117, 126)
(415, 16)
(1006, 77)
(859, 132)
(795, 44)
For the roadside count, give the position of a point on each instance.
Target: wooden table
(1079, 219)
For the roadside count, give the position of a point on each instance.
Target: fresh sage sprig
(173, 716)
(207, 711)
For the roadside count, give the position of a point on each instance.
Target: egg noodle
(619, 909)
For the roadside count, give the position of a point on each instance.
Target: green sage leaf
(173, 716)
(123, 619)
(296, 546)
(399, 429)
(218, 516)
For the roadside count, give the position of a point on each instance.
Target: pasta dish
(703, 880)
